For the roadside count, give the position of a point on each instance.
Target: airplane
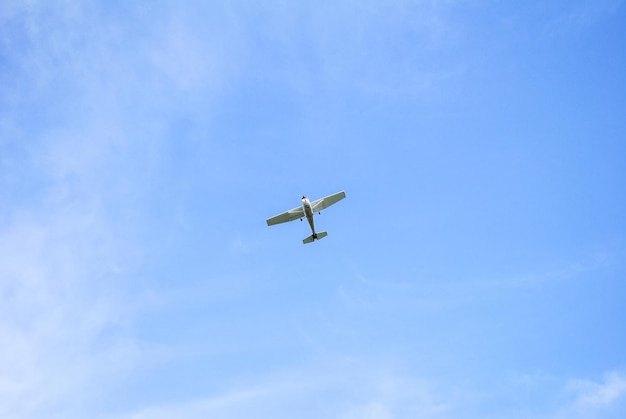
(308, 209)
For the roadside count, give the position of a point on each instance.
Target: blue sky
(475, 270)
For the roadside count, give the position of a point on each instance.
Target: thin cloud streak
(434, 294)
(357, 387)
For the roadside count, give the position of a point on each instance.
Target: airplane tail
(314, 237)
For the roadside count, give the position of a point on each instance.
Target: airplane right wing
(292, 214)
(327, 201)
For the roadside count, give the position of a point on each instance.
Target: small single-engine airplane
(308, 209)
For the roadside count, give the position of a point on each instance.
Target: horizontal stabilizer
(317, 236)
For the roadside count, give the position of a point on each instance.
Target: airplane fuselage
(308, 212)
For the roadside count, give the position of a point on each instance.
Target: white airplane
(308, 209)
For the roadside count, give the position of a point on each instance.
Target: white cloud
(603, 394)
(547, 396)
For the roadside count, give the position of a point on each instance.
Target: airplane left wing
(292, 214)
(327, 201)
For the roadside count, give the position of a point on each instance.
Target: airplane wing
(292, 214)
(327, 201)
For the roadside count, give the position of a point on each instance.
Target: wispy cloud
(429, 293)
(339, 388)
(584, 13)
(69, 240)
(84, 121)
(592, 398)
(65, 318)
(349, 388)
